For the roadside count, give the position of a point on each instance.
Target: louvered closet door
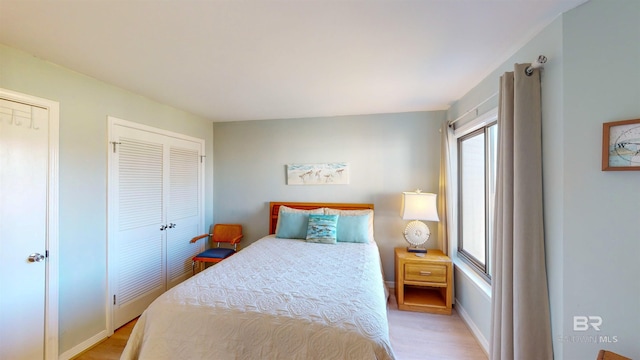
(183, 212)
(156, 199)
(139, 251)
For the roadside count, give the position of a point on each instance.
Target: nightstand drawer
(426, 273)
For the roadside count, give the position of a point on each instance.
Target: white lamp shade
(419, 206)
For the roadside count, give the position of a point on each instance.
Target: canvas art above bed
(280, 297)
(336, 173)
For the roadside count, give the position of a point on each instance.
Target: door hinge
(46, 254)
(114, 299)
(114, 143)
(202, 158)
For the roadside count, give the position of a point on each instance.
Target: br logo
(582, 323)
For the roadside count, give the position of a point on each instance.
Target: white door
(28, 228)
(155, 207)
(184, 214)
(137, 200)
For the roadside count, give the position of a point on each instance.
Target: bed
(280, 297)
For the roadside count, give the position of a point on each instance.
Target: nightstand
(424, 283)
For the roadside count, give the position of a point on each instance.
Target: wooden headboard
(274, 208)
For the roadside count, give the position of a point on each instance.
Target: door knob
(35, 257)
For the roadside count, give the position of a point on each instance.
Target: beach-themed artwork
(621, 145)
(318, 174)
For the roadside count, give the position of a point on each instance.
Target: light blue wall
(85, 104)
(601, 209)
(591, 217)
(387, 153)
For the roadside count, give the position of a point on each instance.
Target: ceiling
(261, 59)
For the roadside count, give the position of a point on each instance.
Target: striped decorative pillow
(322, 228)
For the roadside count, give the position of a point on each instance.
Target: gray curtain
(520, 326)
(444, 196)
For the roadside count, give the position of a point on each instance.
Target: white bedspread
(276, 299)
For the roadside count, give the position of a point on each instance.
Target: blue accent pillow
(292, 225)
(322, 229)
(353, 229)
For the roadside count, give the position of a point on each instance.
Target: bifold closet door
(156, 199)
(183, 211)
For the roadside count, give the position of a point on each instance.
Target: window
(477, 157)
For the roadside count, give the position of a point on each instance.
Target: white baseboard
(390, 284)
(474, 329)
(83, 346)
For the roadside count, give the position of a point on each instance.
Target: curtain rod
(475, 108)
(540, 61)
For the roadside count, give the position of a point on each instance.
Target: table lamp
(418, 206)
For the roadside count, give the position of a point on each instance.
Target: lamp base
(416, 250)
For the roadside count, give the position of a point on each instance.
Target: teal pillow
(353, 229)
(292, 225)
(322, 228)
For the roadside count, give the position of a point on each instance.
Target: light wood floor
(414, 336)
(424, 336)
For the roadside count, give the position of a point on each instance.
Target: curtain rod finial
(537, 64)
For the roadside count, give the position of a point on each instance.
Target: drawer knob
(425, 273)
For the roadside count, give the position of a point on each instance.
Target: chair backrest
(609, 355)
(227, 233)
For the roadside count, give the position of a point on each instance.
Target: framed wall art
(318, 174)
(621, 145)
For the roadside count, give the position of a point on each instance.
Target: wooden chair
(609, 355)
(230, 234)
